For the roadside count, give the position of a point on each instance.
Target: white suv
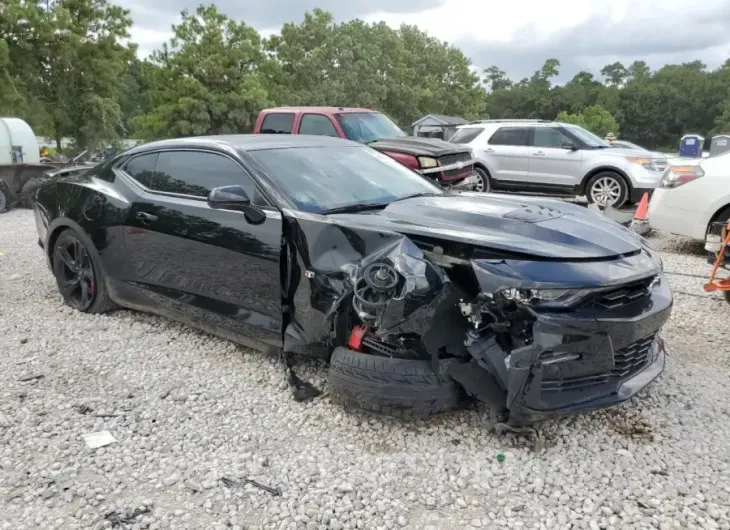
(540, 156)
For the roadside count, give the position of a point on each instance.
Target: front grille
(621, 296)
(447, 160)
(627, 362)
(453, 174)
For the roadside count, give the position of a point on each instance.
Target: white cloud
(517, 36)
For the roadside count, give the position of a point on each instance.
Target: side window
(197, 173)
(514, 136)
(141, 168)
(549, 137)
(277, 123)
(317, 124)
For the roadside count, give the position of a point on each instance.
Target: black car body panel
(416, 146)
(468, 269)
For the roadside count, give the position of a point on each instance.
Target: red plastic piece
(355, 342)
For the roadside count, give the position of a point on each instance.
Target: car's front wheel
(78, 275)
(607, 189)
(483, 184)
(406, 388)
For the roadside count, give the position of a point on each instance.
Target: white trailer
(18, 144)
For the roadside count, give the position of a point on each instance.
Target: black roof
(247, 142)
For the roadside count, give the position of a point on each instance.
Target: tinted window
(196, 173)
(317, 124)
(510, 136)
(316, 179)
(277, 123)
(466, 135)
(550, 137)
(141, 168)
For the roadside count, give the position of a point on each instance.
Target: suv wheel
(483, 185)
(607, 189)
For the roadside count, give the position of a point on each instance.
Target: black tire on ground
(28, 188)
(607, 185)
(726, 294)
(5, 197)
(84, 274)
(723, 216)
(485, 184)
(393, 387)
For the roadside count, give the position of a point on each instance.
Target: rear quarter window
(277, 123)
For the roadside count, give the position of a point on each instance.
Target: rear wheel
(78, 276)
(483, 184)
(607, 189)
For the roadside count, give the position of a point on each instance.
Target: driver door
(210, 266)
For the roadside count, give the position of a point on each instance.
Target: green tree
(594, 118)
(615, 73)
(70, 55)
(496, 79)
(207, 80)
(404, 72)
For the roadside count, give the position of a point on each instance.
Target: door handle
(539, 153)
(146, 218)
(490, 150)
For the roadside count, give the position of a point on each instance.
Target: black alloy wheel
(74, 271)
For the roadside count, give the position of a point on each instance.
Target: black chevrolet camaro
(418, 296)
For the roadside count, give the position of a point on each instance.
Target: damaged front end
(530, 336)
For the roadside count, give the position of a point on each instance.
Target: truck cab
(448, 164)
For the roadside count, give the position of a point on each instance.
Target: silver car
(540, 156)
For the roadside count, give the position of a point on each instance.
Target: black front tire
(395, 387)
(600, 184)
(79, 275)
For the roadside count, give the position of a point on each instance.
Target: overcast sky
(516, 35)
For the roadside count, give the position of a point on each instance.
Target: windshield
(464, 135)
(317, 179)
(367, 127)
(590, 139)
(628, 145)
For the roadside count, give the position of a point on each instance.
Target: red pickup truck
(451, 165)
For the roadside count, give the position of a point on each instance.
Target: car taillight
(675, 176)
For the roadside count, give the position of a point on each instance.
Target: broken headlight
(547, 298)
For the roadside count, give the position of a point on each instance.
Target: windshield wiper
(424, 194)
(355, 208)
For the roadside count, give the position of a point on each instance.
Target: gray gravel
(187, 409)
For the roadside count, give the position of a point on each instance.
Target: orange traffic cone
(640, 224)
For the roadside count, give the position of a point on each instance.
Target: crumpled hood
(418, 146)
(521, 225)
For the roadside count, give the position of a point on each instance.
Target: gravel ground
(188, 409)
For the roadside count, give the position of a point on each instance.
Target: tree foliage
(594, 118)
(67, 67)
(68, 56)
(651, 108)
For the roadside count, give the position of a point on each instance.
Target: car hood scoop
(533, 214)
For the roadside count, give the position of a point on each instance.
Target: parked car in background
(448, 164)
(321, 246)
(539, 156)
(693, 193)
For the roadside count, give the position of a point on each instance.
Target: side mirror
(235, 198)
(570, 145)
